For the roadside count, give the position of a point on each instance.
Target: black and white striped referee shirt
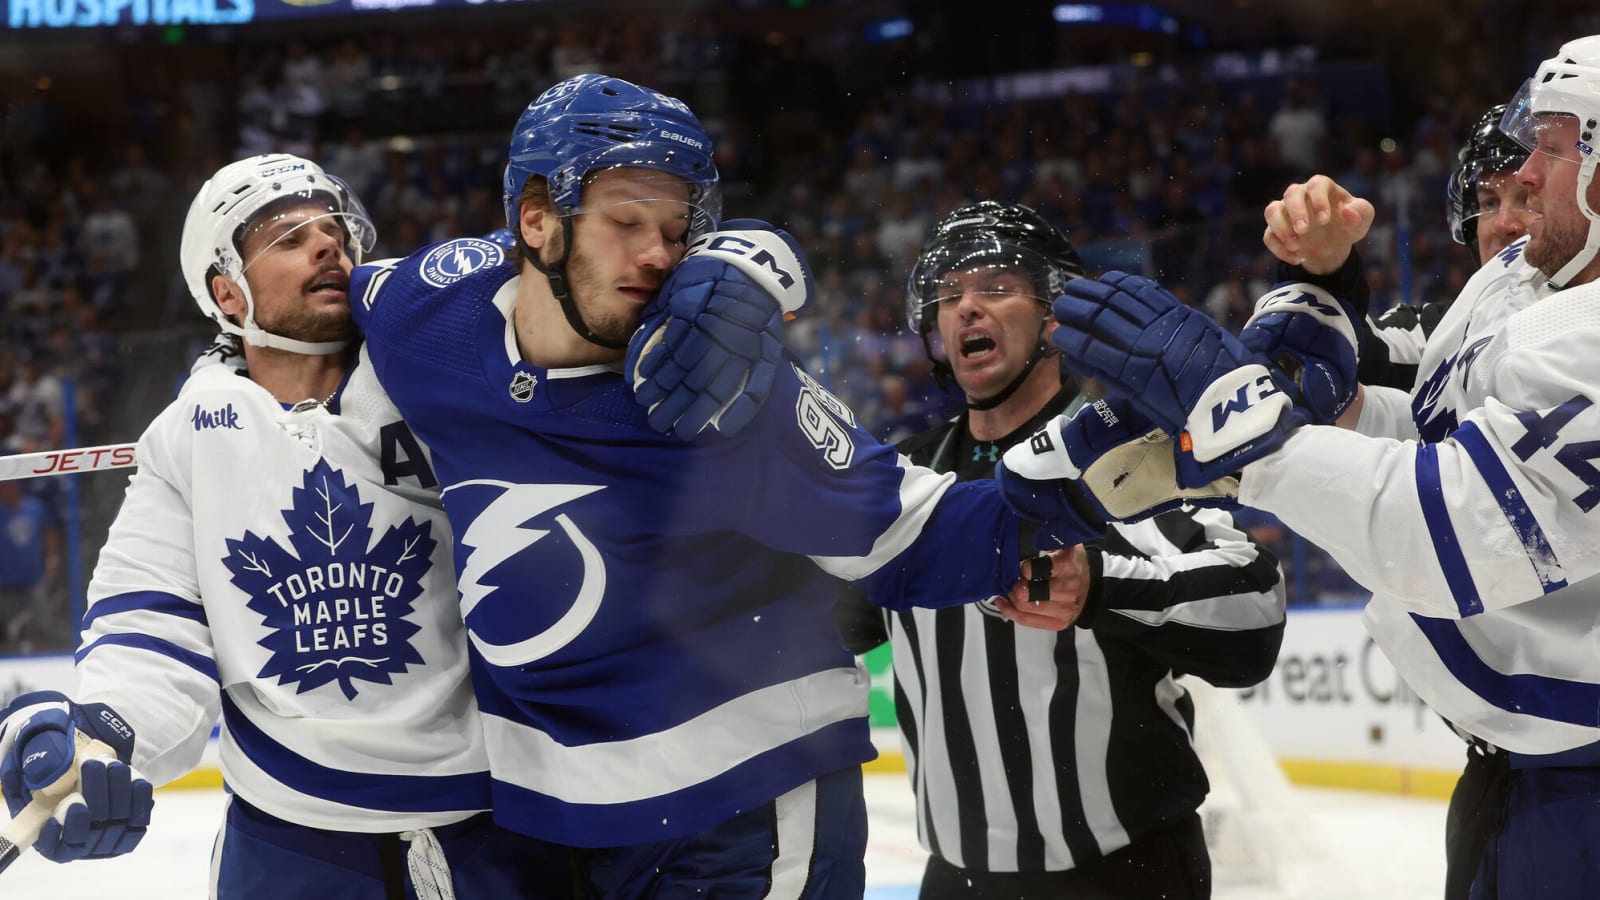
(1040, 751)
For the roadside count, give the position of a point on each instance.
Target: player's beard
(1555, 241)
(309, 322)
(1552, 244)
(612, 324)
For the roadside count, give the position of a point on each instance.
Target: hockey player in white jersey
(1486, 209)
(1467, 506)
(281, 558)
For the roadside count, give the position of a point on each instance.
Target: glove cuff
(106, 726)
(1058, 509)
(1348, 282)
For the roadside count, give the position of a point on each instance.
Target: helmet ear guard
(250, 194)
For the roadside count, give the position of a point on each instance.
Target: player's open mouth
(331, 282)
(977, 347)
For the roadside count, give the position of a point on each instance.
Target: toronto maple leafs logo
(336, 605)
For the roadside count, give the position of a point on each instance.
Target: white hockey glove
(711, 342)
(1109, 456)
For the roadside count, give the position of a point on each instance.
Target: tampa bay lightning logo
(336, 606)
(501, 531)
(452, 261)
(1435, 422)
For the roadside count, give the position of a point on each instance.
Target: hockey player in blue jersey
(1467, 506)
(281, 557)
(663, 689)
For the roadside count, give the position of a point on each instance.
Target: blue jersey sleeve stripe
(1556, 699)
(1518, 515)
(391, 793)
(205, 665)
(146, 601)
(1446, 546)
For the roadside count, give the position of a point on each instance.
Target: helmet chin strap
(1583, 257)
(556, 274)
(1041, 350)
(253, 335)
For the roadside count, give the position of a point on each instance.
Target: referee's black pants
(1171, 863)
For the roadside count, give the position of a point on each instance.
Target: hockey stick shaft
(20, 833)
(66, 462)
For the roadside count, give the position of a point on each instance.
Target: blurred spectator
(30, 562)
(1300, 129)
(37, 400)
(140, 188)
(110, 229)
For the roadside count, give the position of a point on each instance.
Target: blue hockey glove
(1178, 368)
(1121, 463)
(41, 735)
(709, 346)
(1313, 338)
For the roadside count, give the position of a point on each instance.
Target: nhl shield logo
(522, 385)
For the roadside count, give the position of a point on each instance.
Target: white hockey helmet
(1567, 84)
(248, 193)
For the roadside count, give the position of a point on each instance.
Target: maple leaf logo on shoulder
(337, 604)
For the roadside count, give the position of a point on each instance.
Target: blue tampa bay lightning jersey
(650, 620)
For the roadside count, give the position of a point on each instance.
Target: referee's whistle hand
(1050, 594)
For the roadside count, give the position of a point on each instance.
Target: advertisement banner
(48, 14)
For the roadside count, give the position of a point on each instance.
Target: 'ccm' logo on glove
(762, 255)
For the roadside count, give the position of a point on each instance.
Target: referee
(1058, 763)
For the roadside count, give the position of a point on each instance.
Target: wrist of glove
(47, 742)
(1314, 339)
(1242, 416)
(1120, 463)
(708, 350)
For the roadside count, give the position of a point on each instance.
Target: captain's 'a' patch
(337, 605)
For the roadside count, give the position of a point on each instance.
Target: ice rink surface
(1378, 847)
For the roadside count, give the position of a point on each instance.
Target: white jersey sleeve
(1386, 412)
(147, 650)
(1498, 513)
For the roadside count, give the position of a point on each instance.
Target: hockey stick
(22, 831)
(66, 462)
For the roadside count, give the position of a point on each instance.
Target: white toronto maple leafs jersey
(292, 571)
(1475, 525)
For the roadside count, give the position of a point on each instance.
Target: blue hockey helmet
(588, 123)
